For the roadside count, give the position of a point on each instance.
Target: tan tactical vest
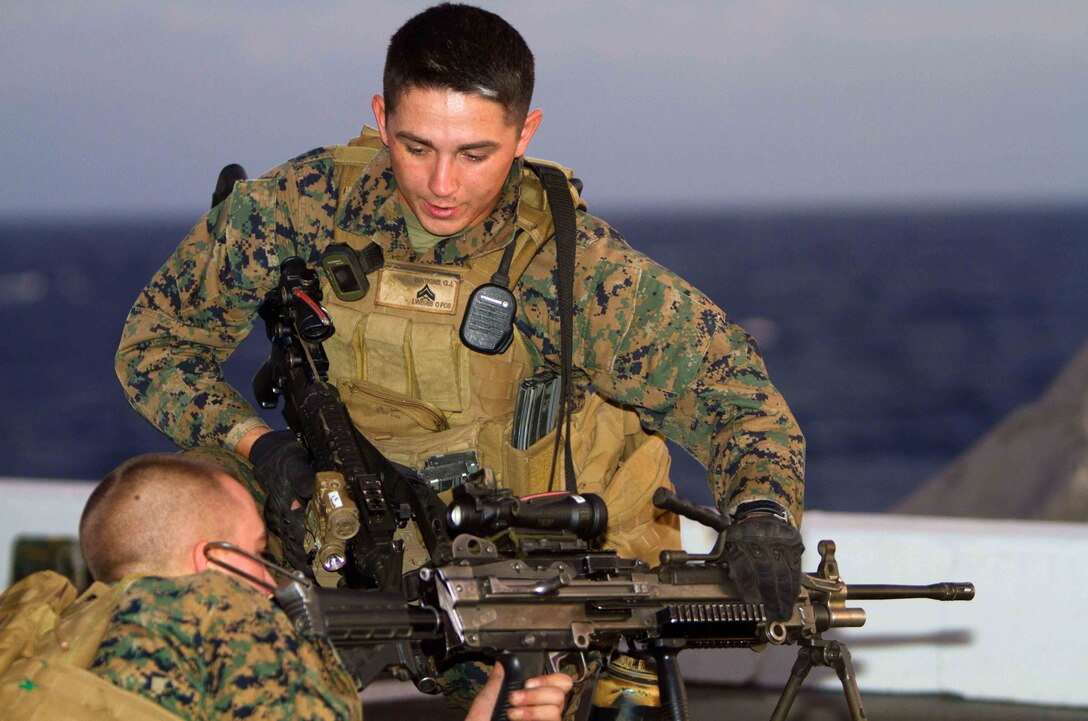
(416, 391)
(48, 638)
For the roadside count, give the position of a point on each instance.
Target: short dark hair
(142, 514)
(464, 49)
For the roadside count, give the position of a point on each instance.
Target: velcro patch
(416, 289)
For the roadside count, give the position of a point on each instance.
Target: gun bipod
(818, 652)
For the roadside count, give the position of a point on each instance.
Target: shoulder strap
(559, 198)
(350, 159)
(535, 222)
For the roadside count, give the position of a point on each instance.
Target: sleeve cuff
(235, 435)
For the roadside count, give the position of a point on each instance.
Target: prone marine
(168, 625)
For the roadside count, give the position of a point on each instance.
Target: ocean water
(898, 337)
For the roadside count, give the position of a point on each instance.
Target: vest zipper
(411, 406)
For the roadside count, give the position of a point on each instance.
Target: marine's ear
(377, 104)
(528, 128)
(199, 560)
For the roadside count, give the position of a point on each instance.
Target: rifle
(521, 601)
(361, 498)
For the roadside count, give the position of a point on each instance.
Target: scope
(484, 512)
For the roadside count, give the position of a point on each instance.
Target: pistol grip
(517, 669)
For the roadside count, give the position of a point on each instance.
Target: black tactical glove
(281, 465)
(764, 555)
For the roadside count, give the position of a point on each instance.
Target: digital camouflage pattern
(642, 336)
(208, 647)
(48, 637)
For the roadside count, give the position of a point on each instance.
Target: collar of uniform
(371, 209)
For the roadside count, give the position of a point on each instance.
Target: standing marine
(443, 190)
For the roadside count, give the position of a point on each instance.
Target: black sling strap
(558, 191)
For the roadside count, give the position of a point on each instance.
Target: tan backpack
(48, 638)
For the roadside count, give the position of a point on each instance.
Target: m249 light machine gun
(525, 608)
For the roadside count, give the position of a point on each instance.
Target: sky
(133, 107)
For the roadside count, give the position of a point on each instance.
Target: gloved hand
(764, 555)
(281, 465)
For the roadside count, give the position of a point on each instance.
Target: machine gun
(361, 498)
(524, 607)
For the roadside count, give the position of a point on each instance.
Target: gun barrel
(946, 591)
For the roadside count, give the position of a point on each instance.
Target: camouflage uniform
(643, 337)
(208, 647)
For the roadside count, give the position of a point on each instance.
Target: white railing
(1023, 639)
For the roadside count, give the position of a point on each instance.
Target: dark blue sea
(897, 336)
